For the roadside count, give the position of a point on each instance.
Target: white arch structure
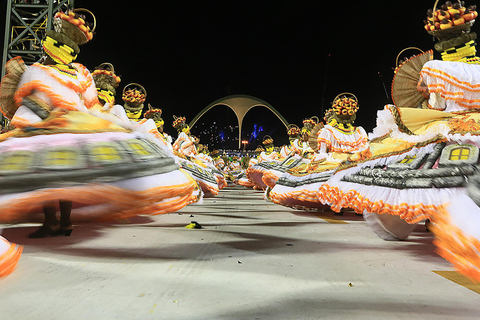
(240, 104)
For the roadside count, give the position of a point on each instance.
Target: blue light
(255, 132)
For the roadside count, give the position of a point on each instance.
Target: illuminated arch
(240, 104)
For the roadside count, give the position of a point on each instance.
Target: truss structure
(25, 24)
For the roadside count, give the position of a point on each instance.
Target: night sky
(296, 55)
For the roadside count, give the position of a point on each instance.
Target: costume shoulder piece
(14, 70)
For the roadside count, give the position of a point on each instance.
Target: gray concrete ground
(252, 260)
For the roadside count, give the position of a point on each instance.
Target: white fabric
(341, 141)
(465, 214)
(4, 245)
(456, 81)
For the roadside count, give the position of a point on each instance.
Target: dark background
(295, 55)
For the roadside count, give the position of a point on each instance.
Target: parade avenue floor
(251, 260)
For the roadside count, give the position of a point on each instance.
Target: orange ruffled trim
(247, 184)
(221, 181)
(184, 147)
(306, 198)
(19, 122)
(461, 250)
(456, 96)
(270, 179)
(208, 189)
(352, 146)
(255, 175)
(9, 259)
(437, 73)
(57, 100)
(82, 87)
(129, 203)
(354, 200)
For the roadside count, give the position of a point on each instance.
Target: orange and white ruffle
(302, 196)
(456, 82)
(270, 177)
(9, 255)
(411, 205)
(255, 174)
(330, 139)
(150, 195)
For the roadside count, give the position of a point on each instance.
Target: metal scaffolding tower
(25, 24)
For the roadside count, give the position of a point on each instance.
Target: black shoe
(66, 230)
(46, 231)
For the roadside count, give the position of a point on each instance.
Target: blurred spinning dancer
(68, 149)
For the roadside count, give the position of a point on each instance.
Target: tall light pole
(244, 143)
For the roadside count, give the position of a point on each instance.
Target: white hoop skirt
(106, 171)
(418, 167)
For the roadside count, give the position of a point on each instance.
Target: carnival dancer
(297, 153)
(217, 160)
(184, 148)
(134, 96)
(293, 132)
(254, 160)
(255, 172)
(423, 163)
(156, 115)
(184, 145)
(219, 165)
(333, 144)
(204, 156)
(234, 165)
(243, 179)
(234, 169)
(71, 156)
(269, 154)
(106, 82)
